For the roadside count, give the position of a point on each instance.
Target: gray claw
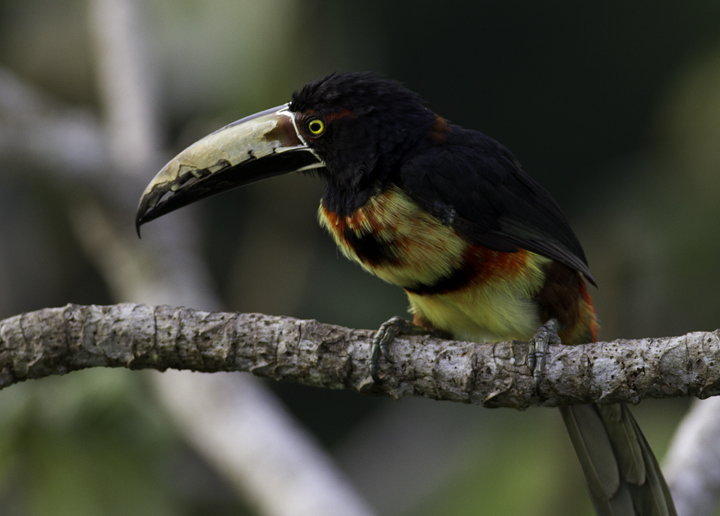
(384, 337)
(545, 335)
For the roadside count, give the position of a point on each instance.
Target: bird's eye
(315, 126)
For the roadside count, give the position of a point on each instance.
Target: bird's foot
(545, 335)
(386, 334)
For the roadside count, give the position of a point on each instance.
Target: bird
(483, 252)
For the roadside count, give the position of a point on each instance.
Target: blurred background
(613, 107)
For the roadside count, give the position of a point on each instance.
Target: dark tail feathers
(621, 472)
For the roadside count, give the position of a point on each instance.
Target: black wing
(476, 185)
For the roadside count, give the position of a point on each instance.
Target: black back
(477, 186)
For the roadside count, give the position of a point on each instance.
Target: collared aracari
(483, 252)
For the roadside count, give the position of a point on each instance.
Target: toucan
(483, 252)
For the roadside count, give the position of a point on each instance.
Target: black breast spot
(369, 249)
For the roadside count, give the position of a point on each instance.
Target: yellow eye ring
(315, 126)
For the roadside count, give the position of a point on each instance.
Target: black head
(360, 92)
(361, 125)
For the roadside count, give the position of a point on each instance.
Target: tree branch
(60, 340)
(691, 464)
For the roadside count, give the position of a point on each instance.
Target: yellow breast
(414, 247)
(471, 292)
(490, 308)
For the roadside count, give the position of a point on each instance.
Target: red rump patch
(439, 130)
(585, 295)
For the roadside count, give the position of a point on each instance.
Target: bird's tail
(621, 472)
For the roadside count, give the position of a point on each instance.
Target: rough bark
(60, 340)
